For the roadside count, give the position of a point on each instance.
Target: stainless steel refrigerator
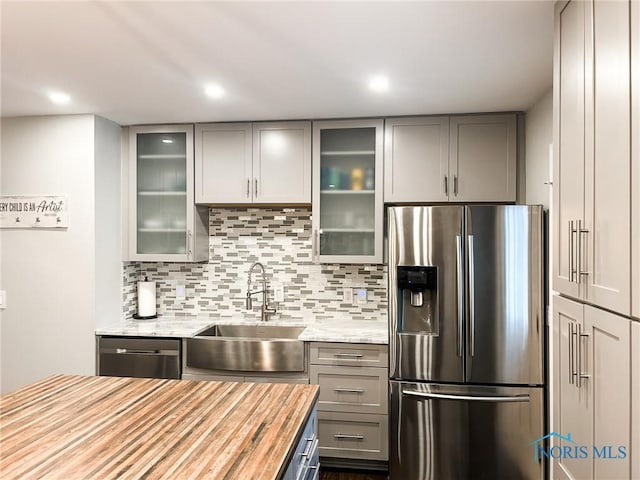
(466, 346)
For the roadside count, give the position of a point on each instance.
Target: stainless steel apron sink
(247, 348)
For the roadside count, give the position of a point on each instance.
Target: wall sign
(38, 211)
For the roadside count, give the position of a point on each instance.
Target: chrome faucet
(266, 309)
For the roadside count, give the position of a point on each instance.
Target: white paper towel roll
(146, 299)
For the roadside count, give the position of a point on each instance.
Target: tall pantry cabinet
(595, 234)
(635, 225)
(592, 192)
(592, 389)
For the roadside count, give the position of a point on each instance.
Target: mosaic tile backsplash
(281, 240)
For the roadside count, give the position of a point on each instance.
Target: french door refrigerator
(466, 320)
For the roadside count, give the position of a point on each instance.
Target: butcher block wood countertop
(74, 427)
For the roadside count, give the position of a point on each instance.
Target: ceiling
(148, 62)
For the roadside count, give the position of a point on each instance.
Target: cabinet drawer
(357, 436)
(349, 354)
(351, 389)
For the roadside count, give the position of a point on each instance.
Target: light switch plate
(181, 292)
(278, 292)
(3, 299)
(361, 296)
(347, 295)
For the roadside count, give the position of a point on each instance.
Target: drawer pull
(348, 390)
(342, 436)
(348, 355)
(307, 451)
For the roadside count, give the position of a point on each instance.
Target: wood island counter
(74, 427)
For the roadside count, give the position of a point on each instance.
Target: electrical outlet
(3, 299)
(347, 295)
(361, 296)
(278, 292)
(181, 292)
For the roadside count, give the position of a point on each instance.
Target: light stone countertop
(163, 326)
(344, 330)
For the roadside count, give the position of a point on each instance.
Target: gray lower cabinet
(355, 436)
(353, 402)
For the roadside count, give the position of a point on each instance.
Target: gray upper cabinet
(416, 167)
(253, 163)
(223, 153)
(163, 224)
(282, 162)
(347, 191)
(467, 158)
(482, 158)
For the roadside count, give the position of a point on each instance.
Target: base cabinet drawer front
(351, 389)
(349, 354)
(356, 436)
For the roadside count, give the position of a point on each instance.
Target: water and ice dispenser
(417, 299)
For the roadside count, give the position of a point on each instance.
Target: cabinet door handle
(348, 355)
(248, 187)
(570, 359)
(580, 231)
(569, 248)
(575, 354)
(342, 436)
(446, 186)
(255, 189)
(189, 249)
(315, 239)
(580, 374)
(348, 390)
(455, 185)
(307, 450)
(572, 267)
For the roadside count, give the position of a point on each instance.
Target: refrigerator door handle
(444, 396)
(472, 317)
(460, 285)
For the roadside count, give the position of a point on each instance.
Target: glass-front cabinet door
(347, 191)
(162, 206)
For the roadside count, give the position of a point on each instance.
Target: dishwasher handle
(131, 351)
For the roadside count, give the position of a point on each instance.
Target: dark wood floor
(333, 474)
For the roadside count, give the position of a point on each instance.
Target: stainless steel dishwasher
(138, 357)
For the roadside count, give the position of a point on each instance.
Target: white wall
(107, 225)
(50, 275)
(539, 135)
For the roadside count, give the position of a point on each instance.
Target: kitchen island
(65, 427)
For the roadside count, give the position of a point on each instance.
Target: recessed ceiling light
(59, 98)
(214, 91)
(379, 84)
